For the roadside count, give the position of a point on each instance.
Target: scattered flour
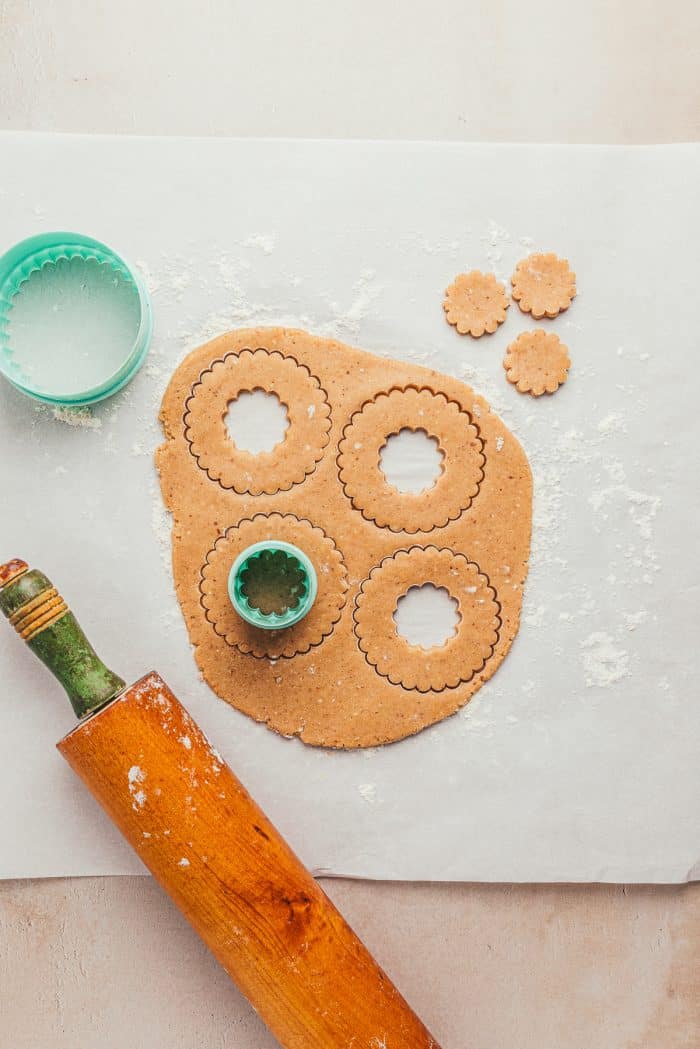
(349, 320)
(78, 417)
(641, 507)
(264, 241)
(151, 282)
(494, 239)
(368, 792)
(604, 664)
(136, 776)
(612, 424)
(161, 524)
(635, 619)
(483, 384)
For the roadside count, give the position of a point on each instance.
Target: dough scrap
(543, 285)
(537, 362)
(326, 679)
(475, 303)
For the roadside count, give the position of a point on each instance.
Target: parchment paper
(578, 761)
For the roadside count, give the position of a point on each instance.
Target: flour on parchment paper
(604, 662)
(264, 241)
(633, 561)
(78, 418)
(336, 319)
(503, 250)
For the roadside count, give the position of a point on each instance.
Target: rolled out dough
(343, 677)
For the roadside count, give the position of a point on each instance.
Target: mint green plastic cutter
(275, 570)
(81, 280)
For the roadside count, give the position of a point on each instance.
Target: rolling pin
(209, 845)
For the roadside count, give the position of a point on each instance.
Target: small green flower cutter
(262, 556)
(31, 255)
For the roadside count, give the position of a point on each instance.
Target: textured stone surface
(110, 963)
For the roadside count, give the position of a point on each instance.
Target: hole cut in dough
(257, 421)
(411, 460)
(427, 616)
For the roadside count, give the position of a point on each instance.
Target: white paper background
(578, 761)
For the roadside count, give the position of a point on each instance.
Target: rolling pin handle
(42, 618)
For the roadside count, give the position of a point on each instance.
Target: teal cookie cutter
(53, 256)
(285, 572)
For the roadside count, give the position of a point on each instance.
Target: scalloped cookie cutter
(75, 319)
(272, 584)
(341, 676)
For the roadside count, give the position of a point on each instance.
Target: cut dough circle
(459, 441)
(537, 362)
(543, 285)
(289, 462)
(444, 666)
(325, 611)
(475, 303)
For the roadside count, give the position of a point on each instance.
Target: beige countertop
(106, 963)
(91, 963)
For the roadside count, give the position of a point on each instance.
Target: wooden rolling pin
(212, 849)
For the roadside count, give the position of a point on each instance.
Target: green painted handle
(42, 619)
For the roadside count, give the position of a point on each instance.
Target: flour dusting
(161, 525)
(264, 241)
(603, 662)
(136, 776)
(365, 293)
(151, 282)
(81, 418)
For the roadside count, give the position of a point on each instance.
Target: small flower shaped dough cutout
(537, 362)
(475, 303)
(543, 285)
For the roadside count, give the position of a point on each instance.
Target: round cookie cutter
(53, 255)
(266, 554)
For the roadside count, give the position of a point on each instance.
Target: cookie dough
(475, 303)
(537, 362)
(543, 285)
(342, 676)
